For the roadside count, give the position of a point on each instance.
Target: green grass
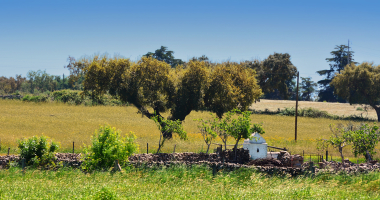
(182, 183)
(67, 123)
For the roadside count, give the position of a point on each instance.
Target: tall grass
(67, 123)
(182, 183)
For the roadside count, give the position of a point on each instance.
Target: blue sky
(42, 34)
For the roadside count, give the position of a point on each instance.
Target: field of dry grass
(66, 123)
(340, 109)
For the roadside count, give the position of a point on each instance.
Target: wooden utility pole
(298, 78)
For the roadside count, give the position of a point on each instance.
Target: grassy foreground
(181, 183)
(68, 123)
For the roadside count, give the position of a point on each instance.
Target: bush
(105, 193)
(364, 140)
(74, 97)
(359, 109)
(16, 93)
(26, 98)
(36, 98)
(37, 150)
(107, 146)
(68, 96)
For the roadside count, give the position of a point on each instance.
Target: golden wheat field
(340, 109)
(68, 123)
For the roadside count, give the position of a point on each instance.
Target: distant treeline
(38, 82)
(276, 76)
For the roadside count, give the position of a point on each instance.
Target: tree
(168, 126)
(341, 58)
(41, 81)
(240, 128)
(307, 87)
(274, 75)
(202, 58)
(229, 126)
(162, 54)
(151, 83)
(11, 85)
(208, 129)
(340, 138)
(364, 140)
(231, 86)
(359, 84)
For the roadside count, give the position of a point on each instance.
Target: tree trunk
(377, 109)
(160, 144)
(235, 149)
(368, 156)
(341, 155)
(208, 147)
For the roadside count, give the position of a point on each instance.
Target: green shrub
(26, 98)
(37, 150)
(364, 140)
(106, 194)
(35, 98)
(107, 146)
(359, 109)
(66, 96)
(74, 97)
(16, 93)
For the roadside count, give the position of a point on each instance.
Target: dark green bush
(66, 96)
(75, 97)
(107, 146)
(37, 98)
(26, 98)
(37, 150)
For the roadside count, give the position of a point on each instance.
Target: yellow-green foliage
(360, 84)
(151, 83)
(231, 83)
(108, 145)
(67, 123)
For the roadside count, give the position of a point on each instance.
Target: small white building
(257, 146)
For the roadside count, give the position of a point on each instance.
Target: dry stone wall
(11, 97)
(215, 161)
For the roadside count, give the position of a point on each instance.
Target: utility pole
(298, 78)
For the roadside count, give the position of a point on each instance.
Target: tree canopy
(359, 84)
(307, 88)
(275, 75)
(163, 54)
(341, 58)
(151, 83)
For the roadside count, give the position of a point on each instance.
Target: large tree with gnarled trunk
(359, 84)
(150, 83)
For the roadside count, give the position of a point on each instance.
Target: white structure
(257, 146)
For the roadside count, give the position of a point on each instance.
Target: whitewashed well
(257, 146)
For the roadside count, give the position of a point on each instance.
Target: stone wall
(11, 97)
